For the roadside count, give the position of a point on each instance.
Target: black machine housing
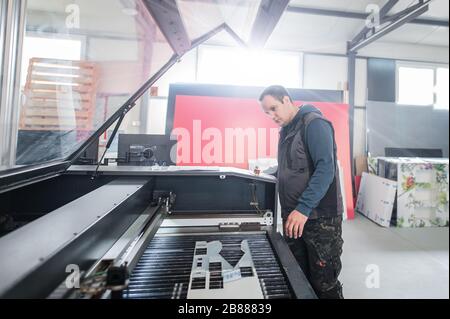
(131, 207)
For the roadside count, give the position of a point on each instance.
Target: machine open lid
(158, 32)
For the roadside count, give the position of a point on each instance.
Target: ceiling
(311, 32)
(341, 5)
(295, 31)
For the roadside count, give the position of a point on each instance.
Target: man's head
(277, 103)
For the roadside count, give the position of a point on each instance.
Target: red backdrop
(222, 113)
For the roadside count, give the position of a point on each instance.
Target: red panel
(227, 131)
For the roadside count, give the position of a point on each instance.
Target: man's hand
(295, 224)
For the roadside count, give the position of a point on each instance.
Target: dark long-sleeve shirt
(319, 137)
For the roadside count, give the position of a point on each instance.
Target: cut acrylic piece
(376, 199)
(214, 277)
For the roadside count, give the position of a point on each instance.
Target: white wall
(359, 128)
(361, 82)
(157, 116)
(325, 72)
(320, 72)
(113, 50)
(328, 72)
(182, 72)
(415, 52)
(359, 132)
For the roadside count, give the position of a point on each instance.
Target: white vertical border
(12, 35)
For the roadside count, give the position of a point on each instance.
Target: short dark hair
(277, 91)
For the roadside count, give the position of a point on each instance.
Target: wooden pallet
(59, 95)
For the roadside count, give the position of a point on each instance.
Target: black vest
(295, 168)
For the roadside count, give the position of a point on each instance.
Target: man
(310, 195)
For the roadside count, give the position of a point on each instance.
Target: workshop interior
(136, 162)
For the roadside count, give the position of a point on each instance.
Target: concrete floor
(403, 263)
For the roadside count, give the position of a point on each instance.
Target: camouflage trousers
(318, 253)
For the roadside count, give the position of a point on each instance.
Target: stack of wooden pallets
(60, 95)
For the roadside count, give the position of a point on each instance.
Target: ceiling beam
(388, 7)
(223, 27)
(359, 15)
(382, 16)
(269, 14)
(373, 34)
(169, 20)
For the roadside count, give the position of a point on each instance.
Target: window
(416, 86)
(442, 76)
(422, 85)
(80, 64)
(233, 66)
(49, 48)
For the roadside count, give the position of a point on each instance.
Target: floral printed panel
(422, 197)
(372, 164)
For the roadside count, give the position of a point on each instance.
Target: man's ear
(286, 100)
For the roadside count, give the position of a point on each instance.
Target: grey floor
(380, 263)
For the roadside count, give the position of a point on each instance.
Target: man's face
(281, 113)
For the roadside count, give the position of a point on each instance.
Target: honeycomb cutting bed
(164, 270)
